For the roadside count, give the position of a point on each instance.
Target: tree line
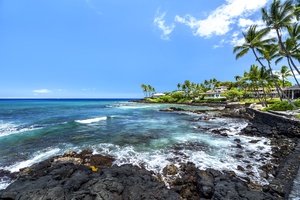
(283, 19)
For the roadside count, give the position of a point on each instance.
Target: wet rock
(220, 132)
(238, 156)
(170, 170)
(240, 168)
(101, 161)
(69, 181)
(254, 141)
(172, 109)
(70, 154)
(237, 140)
(186, 184)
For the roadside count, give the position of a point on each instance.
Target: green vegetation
(282, 106)
(258, 83)
(148, 90)
(233, 93)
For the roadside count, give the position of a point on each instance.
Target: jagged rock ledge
(72, 176)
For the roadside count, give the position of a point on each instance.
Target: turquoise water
(136, 133)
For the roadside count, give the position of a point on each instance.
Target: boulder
(170, 170)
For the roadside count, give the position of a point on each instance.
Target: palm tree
(255, 41)
(144, 87)
(213, 82)
(269, 53)
(292, 47)
(280, 16)
(179, 86)
(187, 85)
(207, 84)
(284, 73)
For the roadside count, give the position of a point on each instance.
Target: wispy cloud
(92, 6)
(159, 22)
(221, 21)
(42, 91)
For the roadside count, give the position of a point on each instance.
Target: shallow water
(33, 130)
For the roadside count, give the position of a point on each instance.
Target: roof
(294, 87)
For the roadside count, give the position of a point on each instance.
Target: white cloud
(221, 20)
(245, 23)
(42, 91)
(159, 21)
(221, 44)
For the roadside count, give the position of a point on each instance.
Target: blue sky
(108, 48)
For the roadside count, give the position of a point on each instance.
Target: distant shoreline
(125, 99)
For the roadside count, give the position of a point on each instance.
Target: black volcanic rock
(69, 181)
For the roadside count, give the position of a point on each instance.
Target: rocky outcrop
(212, 184)
(65, 180)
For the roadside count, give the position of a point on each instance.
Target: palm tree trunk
(293, 72)
(295, 107)
(278, 89)
(289, 58)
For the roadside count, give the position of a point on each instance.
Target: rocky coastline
(86, 176)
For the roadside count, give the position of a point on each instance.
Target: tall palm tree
(213, 82)
(269, 53)
(284, 73)
(188, 87)
(179, 86)
(256, 42)
(144, 87)
(277, 17)
(292, 46)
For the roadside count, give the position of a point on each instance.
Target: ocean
(32, 130)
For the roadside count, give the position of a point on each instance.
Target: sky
(109, 48)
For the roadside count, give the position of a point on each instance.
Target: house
(158, 94)
(292, 92)
(215, 93)
(270, 92)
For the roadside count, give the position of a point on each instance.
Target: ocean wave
(37, 157)
(10, 128)
(223, 155)
(92, 120)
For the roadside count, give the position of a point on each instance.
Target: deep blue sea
(136, 133)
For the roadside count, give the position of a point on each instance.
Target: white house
(158, 94)
(215, 93)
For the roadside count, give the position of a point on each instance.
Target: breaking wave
(92, 120)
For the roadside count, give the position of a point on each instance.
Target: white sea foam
(11, 128)
(4, 182)
(92, 120)
(218, 153)
(37, 157)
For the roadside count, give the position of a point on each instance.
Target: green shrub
(297, 103)
(166, 99)
(210, 100)
(233, 93)
(280, 106)
(178, 95)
